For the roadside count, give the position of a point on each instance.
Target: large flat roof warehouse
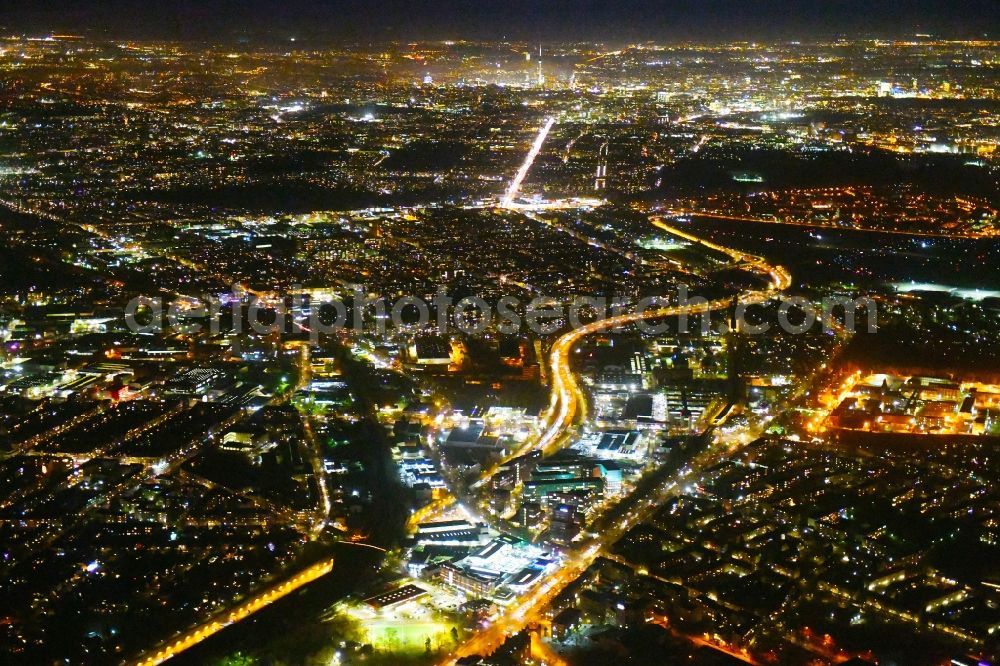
(400, 595)
(618, 441)
(468, 537)
(444, 526)
(525, 576)
(505, 554)
(490, 550)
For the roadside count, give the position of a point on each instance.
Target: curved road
(565, 404)
(565, 398)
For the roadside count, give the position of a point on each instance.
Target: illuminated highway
(241, 612)
(536, 147)
(566, 404)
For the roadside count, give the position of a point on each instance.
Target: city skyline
(373, 334)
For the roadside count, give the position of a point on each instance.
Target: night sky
(605, 20)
